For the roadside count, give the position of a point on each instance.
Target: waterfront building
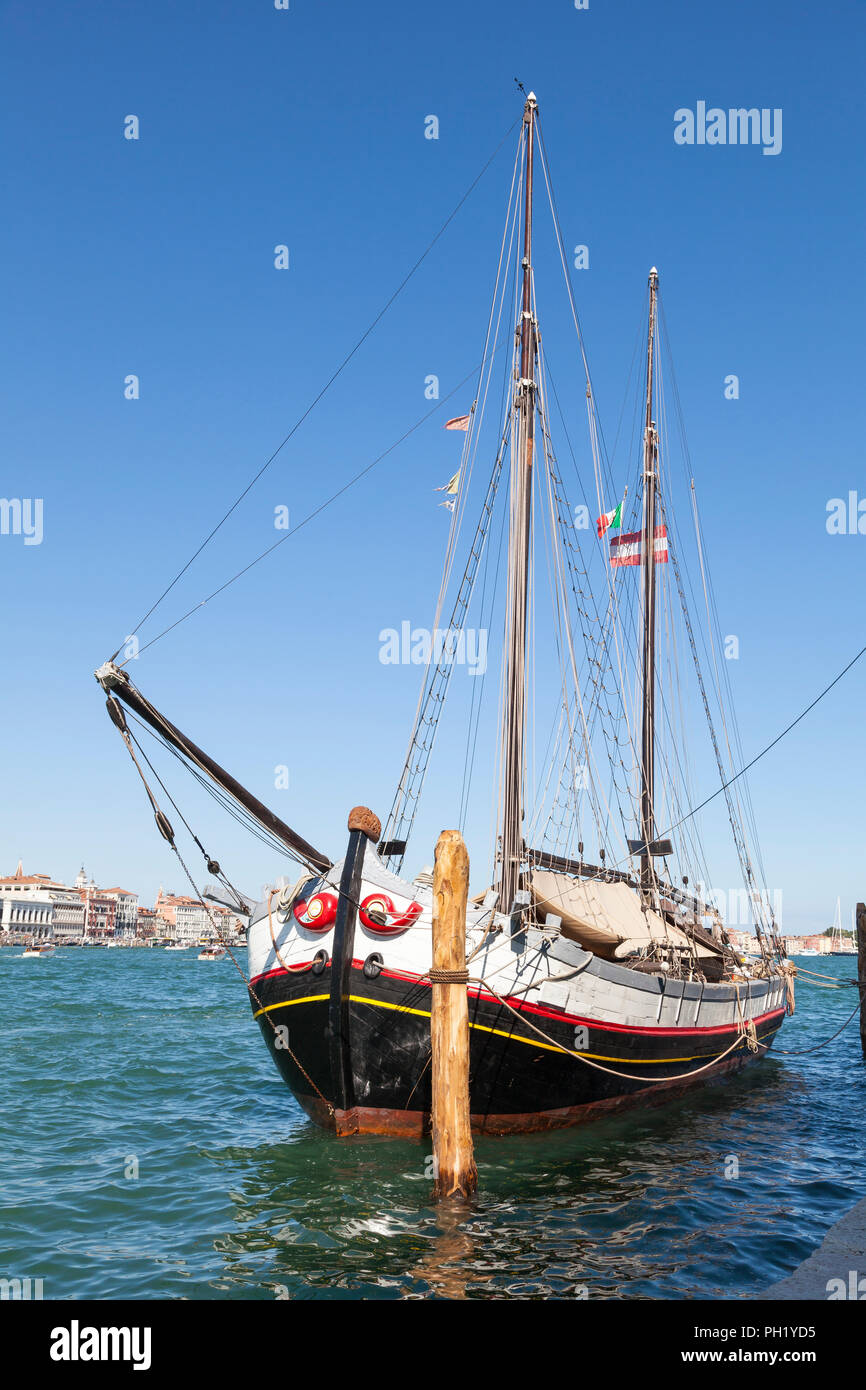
(822, 944)
(148, 924)
(190, 921)
(27, 902)
(69, 916)
(126, 911)
(744, 942)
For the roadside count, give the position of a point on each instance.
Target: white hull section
(540, 967)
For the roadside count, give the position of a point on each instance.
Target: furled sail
(608, 918)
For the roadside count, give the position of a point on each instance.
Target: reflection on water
(444, 1270)
(239, 1195)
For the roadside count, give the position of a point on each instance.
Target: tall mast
(518, 560)
(650, 479)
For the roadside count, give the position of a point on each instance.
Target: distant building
(148, 924)
(794, 944)
(69, 916)
(38, 905)
(126, 912)
(743, 942)
(821, 944)
(28, 902)
(189, 920)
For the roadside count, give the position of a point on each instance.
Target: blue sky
(306, 127)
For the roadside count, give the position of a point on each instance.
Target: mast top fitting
(110, 675)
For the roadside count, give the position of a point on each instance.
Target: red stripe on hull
(557, 1015)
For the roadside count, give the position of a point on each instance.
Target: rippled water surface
(148, 1149)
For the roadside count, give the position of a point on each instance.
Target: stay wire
(310, 517)
(764, 751)
(328, 384)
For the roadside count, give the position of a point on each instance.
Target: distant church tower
(81, 880)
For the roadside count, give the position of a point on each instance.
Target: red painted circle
(383, 906)
(318, 913)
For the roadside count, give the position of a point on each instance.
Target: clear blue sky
(306, 127)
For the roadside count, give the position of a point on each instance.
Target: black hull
(518, 1080)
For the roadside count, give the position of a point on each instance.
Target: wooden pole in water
(453, 1157)
(861, 970)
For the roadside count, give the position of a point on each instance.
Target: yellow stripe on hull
(483, 1028)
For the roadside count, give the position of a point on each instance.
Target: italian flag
(609, 519)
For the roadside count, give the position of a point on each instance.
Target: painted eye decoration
(318, 913)
(378, 915)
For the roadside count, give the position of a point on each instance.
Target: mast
(520, 519)
(648, 566)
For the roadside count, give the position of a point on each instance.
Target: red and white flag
(627, 550)
(460, 422)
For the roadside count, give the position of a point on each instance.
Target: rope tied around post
(448, 977)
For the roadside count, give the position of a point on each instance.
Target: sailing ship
(840, 944)
(594, 983)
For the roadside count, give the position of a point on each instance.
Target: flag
(449, 504)
(627, 550)
(452, 486)
(612, 519)
(460, 422)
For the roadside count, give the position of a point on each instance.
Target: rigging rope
(758, 756)
(308, 518)
(804, 1051)
(740, 1040)
(328, 384)
(167, 833)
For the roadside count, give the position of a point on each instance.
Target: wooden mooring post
(861, 970)
(455, 1174)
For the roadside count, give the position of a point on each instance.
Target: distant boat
(807, 951)
(37, 950)
(211, 953)
(840, 945)
(177, 946)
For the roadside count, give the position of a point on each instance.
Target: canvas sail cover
(604, 917)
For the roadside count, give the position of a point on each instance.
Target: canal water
(149, 1150)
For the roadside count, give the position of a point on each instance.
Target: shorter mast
(648, 570)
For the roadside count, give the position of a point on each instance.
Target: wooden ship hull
(518, 1083)
(354, 1045)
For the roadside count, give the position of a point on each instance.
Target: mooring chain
(167, 832)
(283, 1042)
